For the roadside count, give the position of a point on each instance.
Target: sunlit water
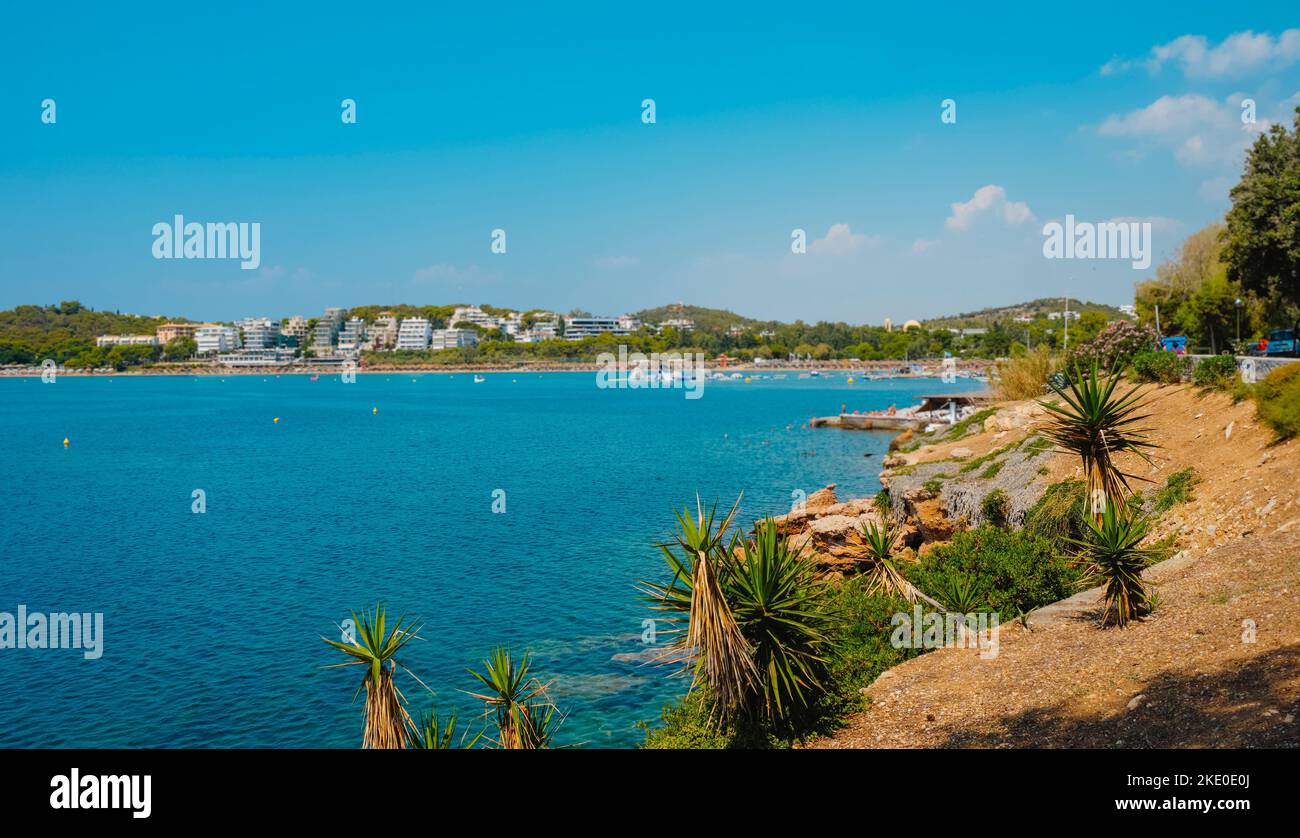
(213, 621)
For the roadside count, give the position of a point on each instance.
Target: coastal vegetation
(375, 648)
(1277, 399)
(1024, 375)
(1097, 425)
(518, 713)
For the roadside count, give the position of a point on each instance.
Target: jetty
(939, 409)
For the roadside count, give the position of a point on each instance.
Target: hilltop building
(168, 332)
(577, 328)
(453, 338)
(414, 333)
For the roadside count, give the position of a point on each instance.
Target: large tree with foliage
(1262, 243)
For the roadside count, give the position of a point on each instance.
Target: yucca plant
(375, 648)
(723, 657)
(879, 565)
(516, 702)
(1111, 554)
(1098, 425)
(432, 733)
(780, 606)
(963, 594)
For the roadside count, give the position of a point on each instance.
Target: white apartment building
(475, 315)
(538, 332)
(352, 335)
(213, 339)
(680, 324)
(327, 331)
(383, 333)
(259, 332)
(577, 328)
(126, 340)
(298, 329)
(414, 333)
(258, 358)
(453, 338)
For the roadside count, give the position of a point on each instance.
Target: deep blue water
(212, 621)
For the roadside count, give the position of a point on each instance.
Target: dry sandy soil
(1217, 665)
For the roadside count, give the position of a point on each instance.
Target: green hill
(29, 334)
(706, 319)
(1034, 309)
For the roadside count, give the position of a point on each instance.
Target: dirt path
(1192, 675)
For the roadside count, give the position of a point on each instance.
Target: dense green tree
(1262, 241)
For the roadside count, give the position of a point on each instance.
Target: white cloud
(922, 245)
(1238, 54)
(840, 240)
(991, 198)
(1199, 130)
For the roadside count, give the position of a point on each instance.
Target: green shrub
(1157, 367)
(1215, 372)
(996, 506)
(1036, 446)
(1113, 346)
(1277, 400)
(960, 429)
(1058, 515)
(690, 724)
(1020, 571)
(861, 643)
(993, 469)
(1177, 490)
(860, 650)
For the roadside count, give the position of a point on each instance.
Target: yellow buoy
(65, 442)
(276, 420)
(746, 379)
(850, 379)
(374, 410)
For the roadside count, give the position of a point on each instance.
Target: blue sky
(769, 118)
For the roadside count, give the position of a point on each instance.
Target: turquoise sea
(212, 621)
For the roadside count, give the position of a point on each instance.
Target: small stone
(1289, 718)
(1136, 701)
(1227, 432)
(961, 453)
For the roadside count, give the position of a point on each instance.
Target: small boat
(314, 378)
(478, 379)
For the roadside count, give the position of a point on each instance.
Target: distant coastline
(891, 369)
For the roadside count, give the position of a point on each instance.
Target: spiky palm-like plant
(433, 733)
(376, 649)
(516, 702)
(723, 657)
(879, 565)
(1111, 554)
(1098, 425)
(963, 594)
(779, 604)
